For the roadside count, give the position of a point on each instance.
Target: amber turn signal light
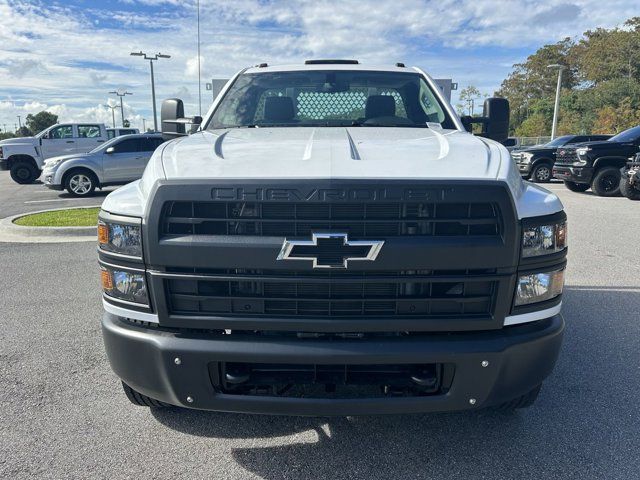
(107, 279)
(103, 234)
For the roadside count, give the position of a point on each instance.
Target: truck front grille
(566, 156)
(462, 296)
(355, 218)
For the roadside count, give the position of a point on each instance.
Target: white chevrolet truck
(330, 240)
(24, 156)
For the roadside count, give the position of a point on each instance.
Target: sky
(65, 56)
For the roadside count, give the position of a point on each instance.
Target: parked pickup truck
(24, 156)
(536, 163)
(332, 241)
(120, 160)
(597, 165)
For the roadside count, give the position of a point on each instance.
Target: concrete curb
(12, 233)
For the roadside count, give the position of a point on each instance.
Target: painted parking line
(55, 200)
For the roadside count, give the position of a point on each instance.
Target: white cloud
(68, 59)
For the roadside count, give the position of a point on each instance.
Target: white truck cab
(24, 157)
(332, 240)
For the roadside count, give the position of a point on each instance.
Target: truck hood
(19, 141)
(331, 152)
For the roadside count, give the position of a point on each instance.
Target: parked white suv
(24, 156)
(120, 160)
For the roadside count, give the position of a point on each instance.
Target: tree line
(34, 124)
(600, 84)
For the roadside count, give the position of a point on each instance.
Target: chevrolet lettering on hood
(258, 194)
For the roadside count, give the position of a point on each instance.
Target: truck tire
(80, 182)
(628, 190)
(576, 187)
(524, 401)
(24, 172)
(541, 173)
(606, 182)
(141, 400)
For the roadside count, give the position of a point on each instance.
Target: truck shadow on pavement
(587, 411)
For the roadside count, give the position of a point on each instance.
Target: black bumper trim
(573, 174)
(4, 164)
(520, 358)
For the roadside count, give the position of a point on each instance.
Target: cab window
(150, 144)
(63, 131)
(126, 146)
(89, 131)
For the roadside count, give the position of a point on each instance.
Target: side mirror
(172, 109)
(173, 120)
(494, 119)
(510, 142)
(496, 114)
(110, 150)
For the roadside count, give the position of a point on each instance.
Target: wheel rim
(609, 183)
(80, 184)
(543, 174)
(23, 173)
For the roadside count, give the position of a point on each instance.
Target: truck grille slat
(263, 297)
(356, 219)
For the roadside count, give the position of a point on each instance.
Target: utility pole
(144, 125)
(199, 82)
(113, 113)
(121, 94)
(153, 85)
(557, 103)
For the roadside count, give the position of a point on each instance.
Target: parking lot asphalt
(16, 199)
(65, 415)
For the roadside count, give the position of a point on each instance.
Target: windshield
(560, 141)
(626, 136)
(329, 98)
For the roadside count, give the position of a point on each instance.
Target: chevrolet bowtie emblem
(330, 250)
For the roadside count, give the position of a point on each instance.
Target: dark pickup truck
(536, 163)
(597, 165)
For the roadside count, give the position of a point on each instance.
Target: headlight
(124, 285)
(52, 163)
(526, 157)
(582, 150)
(544, 239)
(539, 287)
(121, 238)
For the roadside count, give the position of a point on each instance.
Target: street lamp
(113, 113)
(557, 104)
(121, 106)
(153, 86)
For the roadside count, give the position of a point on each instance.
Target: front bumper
(48, 179)
(4, 164)
(573, 174)
(519, 358)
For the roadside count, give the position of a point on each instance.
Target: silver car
(116, 162)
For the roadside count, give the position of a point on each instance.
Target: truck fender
(22, 157)
(611, 161)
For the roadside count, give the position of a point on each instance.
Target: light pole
(19, 121)
(121, 105)
(144, 125)
(113, 113)
(557, 104)
(153, 85)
